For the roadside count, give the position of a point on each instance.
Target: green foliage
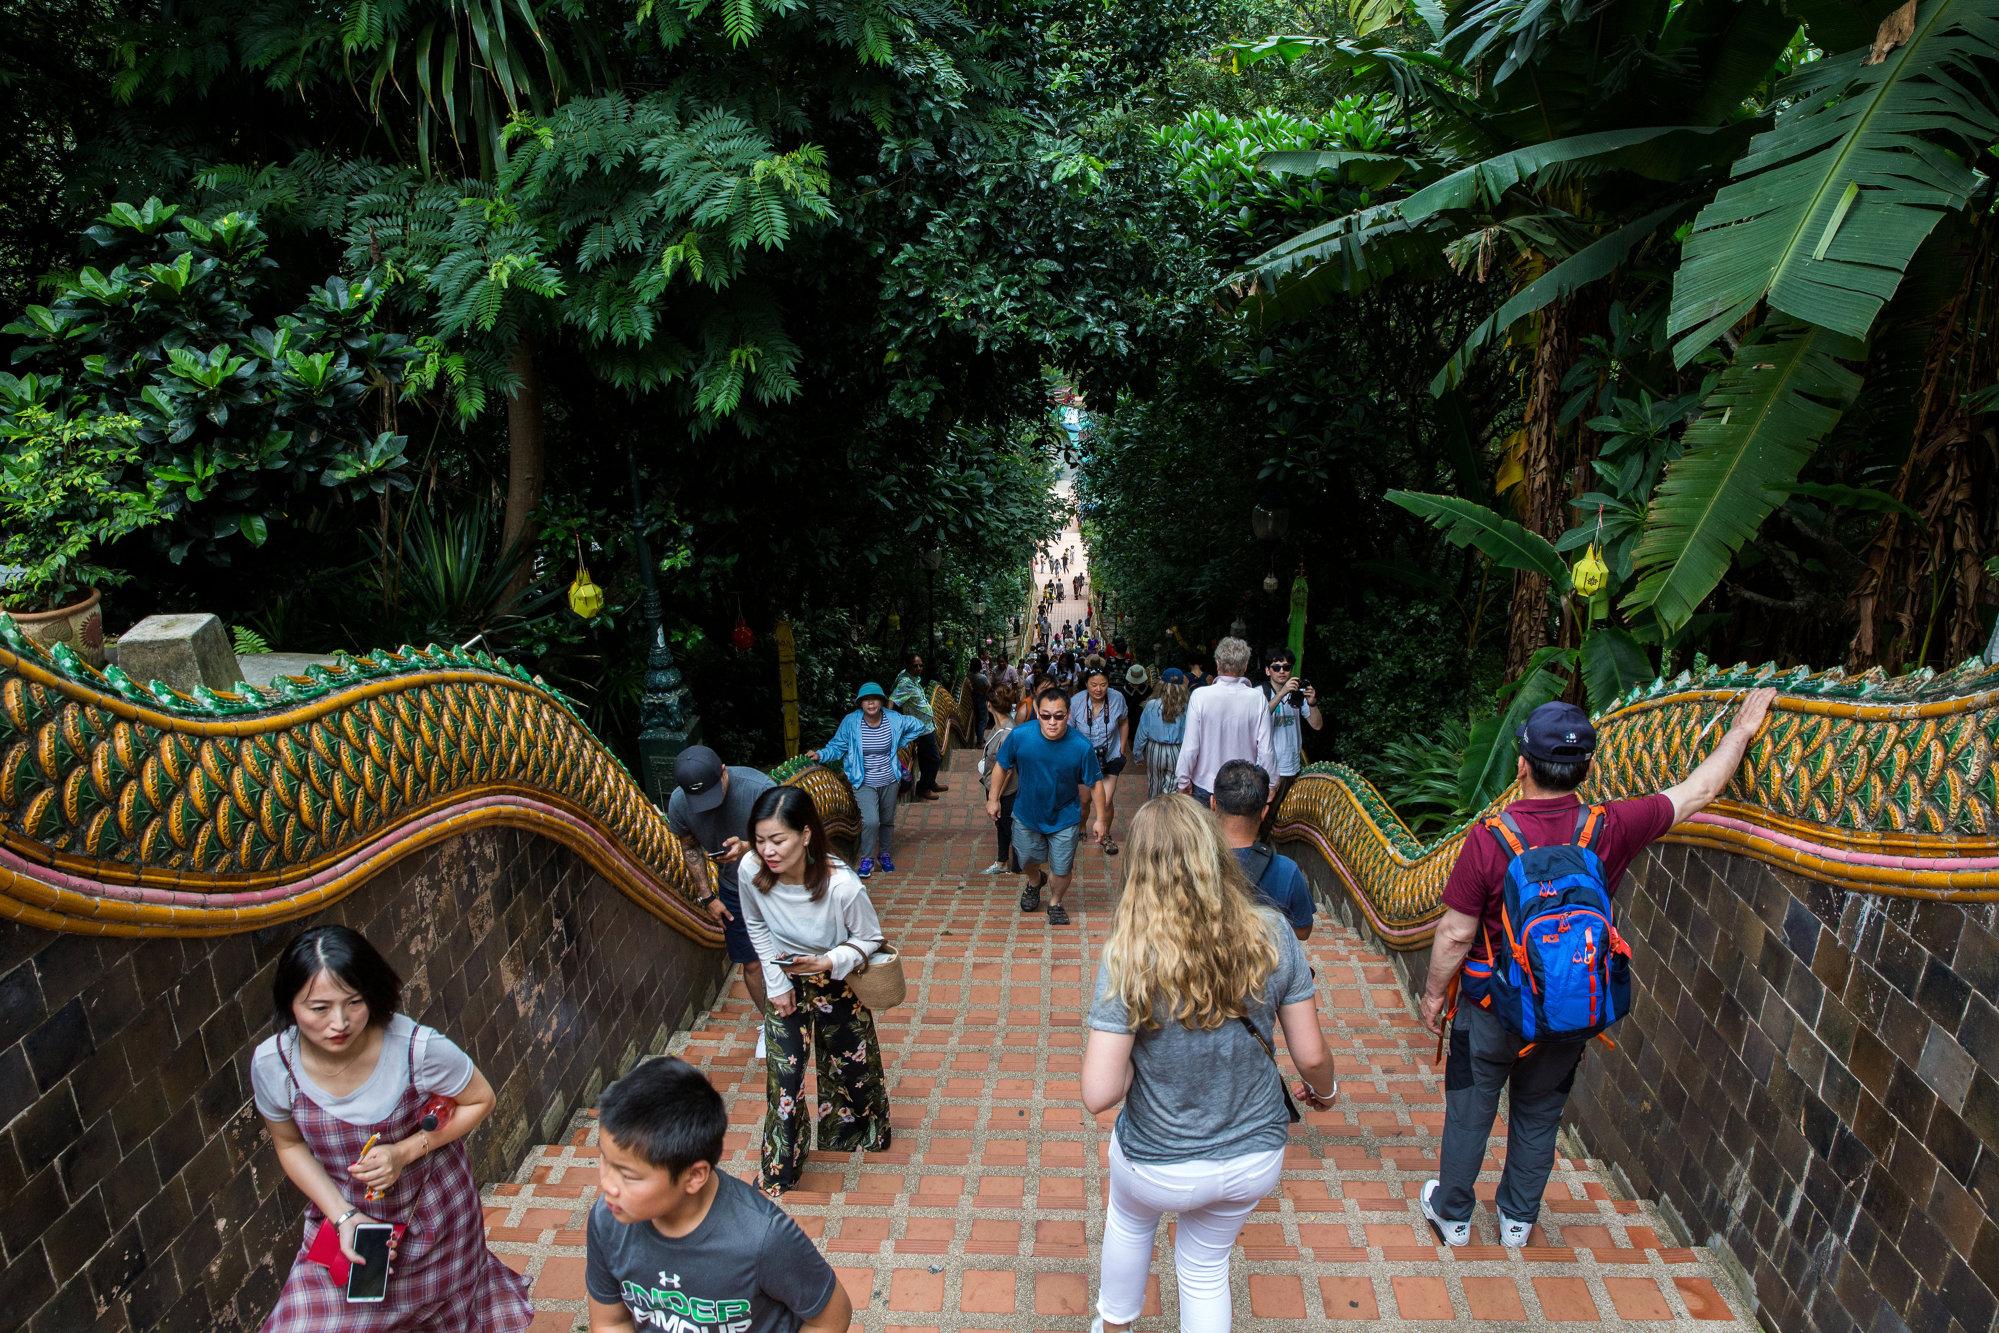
(69, 488)
(1777, 399)
(1827, 208)
(248, 642)
(1418, 775)
(233, 419)
(1509, 545)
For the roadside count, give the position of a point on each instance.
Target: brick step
(988, 1209)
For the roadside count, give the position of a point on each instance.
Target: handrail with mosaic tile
(136, 809)
(1869, 782)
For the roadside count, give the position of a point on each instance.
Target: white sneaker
(1457, 1235)
(760, 1043)
(1512, 1234)
(996, 868)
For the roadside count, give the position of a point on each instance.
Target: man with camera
(1293, 705)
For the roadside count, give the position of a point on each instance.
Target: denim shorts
(1055, 850)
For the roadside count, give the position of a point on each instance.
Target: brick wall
(141, 1191)
(1807, 1077)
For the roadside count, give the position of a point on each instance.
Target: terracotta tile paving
(985, 1213)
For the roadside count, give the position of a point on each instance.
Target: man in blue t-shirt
(1059, 774)
(1240, 798)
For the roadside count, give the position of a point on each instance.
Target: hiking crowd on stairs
(1201, 968)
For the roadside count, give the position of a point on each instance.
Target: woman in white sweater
(812, 924)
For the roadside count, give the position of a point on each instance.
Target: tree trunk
(1544, 486)
(1919, 601)
(524, 463)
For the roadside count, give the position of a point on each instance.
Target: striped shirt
(878, 754)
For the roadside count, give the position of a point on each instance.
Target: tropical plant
(1419, 777)
(235, 422)
(1811, 184)
(70, 487)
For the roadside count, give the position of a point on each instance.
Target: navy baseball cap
(698, 772)
(1557, 733)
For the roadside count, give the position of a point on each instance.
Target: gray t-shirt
(1207, 1096)
(441, 1066)
(730, 819)
(746, 1269)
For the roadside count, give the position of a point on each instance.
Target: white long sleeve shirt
(1226, 720)
(842, 925)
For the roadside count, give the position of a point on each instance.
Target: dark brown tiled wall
(1807, 1077)
(137, 1186)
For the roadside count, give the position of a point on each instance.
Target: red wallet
(325, 1251)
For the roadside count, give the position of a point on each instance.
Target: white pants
(1212, 1199)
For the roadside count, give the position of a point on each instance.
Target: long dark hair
(795, 809)
(344, 954)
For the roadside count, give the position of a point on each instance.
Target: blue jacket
(845, 747)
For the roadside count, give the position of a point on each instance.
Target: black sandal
(1058, 915)
(1110, 848)
(1030, 898)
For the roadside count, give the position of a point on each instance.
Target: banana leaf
(1509, 545)
(1828, 206)
(1489, 756)
(1785, 389)
(1612, 663)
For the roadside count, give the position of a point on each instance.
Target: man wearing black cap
(711, 805)
(1556, 746)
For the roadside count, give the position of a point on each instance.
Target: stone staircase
(986, 1212)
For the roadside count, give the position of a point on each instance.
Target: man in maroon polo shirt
(1556, 746)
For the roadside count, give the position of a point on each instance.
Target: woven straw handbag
(879, 983)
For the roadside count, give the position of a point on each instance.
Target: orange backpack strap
(1588, 821)
(1499, 825)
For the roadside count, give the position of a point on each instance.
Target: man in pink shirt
(1225, 721)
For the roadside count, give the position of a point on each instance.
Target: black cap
(1557, 733)
(698, 772)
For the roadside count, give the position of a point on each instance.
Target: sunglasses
(1053, 717)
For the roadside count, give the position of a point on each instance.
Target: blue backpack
(1567, 973)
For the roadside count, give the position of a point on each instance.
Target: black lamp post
(667, 721)
(933, 559)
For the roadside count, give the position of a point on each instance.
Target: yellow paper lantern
(586, 599)
(1590, 573)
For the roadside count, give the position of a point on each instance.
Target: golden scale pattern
(126, 808)
(1874, 783)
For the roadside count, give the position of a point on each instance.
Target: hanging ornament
(1270, 582)
(742, 636)
(586, 599)
(894, 621)
(1590, 573)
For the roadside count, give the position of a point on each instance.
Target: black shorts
(1113, 767)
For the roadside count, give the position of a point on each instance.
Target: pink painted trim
(280, 892)
(1843, 856)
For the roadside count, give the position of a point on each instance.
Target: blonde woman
(1194, 979)
(1162, 723)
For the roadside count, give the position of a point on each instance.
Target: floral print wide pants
(853, 1096)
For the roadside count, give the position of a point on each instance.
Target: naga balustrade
(1867, 782)
(130, 809)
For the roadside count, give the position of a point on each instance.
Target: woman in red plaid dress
(345, 1073)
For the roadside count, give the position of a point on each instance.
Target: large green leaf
(1829, 205)
(1613, 662)
(1733, 43)
(1593, 262)
(1352, 252)
(1489, 756)
(1783, 392)
(1467, 523)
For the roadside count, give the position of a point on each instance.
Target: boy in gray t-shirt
(674, 1243)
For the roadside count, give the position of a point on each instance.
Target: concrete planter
(80, 625)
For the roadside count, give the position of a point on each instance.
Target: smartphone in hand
(368, 1281)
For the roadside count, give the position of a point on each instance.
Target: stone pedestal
(180, 650)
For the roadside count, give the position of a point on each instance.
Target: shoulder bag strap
(1262, 858)
(1290, 1106)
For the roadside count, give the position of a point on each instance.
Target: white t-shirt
(441, 1067)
